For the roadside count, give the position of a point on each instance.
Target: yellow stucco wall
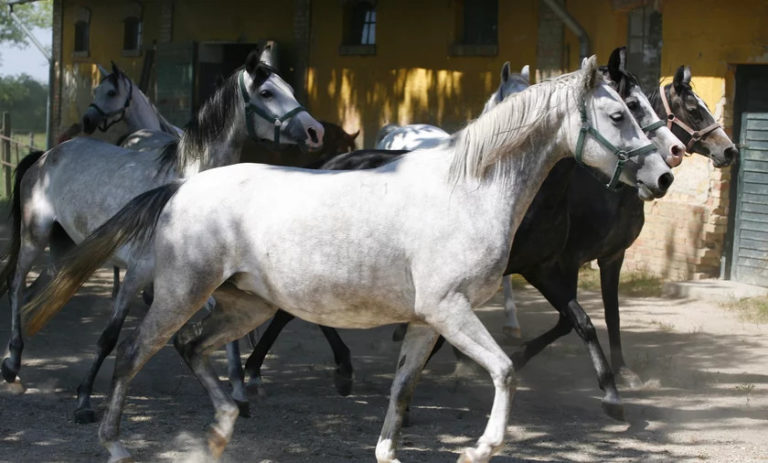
(411, 78)
(193, 20)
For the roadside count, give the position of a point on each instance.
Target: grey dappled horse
(78, 185)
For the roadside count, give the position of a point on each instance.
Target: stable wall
(685, 232)
(411, 78)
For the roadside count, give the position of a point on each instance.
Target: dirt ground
(705, 397)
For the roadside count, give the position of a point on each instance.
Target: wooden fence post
(7, 153)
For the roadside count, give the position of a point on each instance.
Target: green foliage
(35, 14)
(753, 309)
(25, 99)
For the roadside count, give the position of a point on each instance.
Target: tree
(33, 15)
(25, 98)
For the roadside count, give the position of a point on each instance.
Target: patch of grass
(746, 389)
(638, 283)
(753, 309)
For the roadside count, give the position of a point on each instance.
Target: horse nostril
(312, 135)
(731, 153)
(665, 181)
(677, 150)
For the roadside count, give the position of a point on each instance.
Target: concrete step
(712, 290)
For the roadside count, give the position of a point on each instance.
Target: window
(359, 28)
(82, 33)
(477, 28)
(132, 29)
(644, 45)
(132, 34)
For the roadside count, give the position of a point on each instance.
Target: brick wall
(684, 232)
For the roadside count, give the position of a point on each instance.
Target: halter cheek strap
(251, 110)
(106, 124)
(622, 155)
(694, 135)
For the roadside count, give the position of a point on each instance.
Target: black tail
(13, 252)
(134, 223)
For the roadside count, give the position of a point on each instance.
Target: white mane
(516, 125)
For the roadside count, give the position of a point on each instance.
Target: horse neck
(141, 114)
(222, 150)
(654, 97)
(522, 165)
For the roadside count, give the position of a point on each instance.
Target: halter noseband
(105, 125)
(694, 135)
(622, 155)
(251, 110)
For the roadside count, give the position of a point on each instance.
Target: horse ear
(354, 135)
(115, 69)
(525, 73)
(591, 72)
(253, 59)
(616, 64)
(682, 77)
(103, 71)
(505, 72)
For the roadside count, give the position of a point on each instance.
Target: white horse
(421, 136)
(122, 114)
(78, 185)
(422, 240)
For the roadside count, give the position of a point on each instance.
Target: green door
(750, 245)
(176, 81)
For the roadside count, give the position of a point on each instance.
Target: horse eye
(111, 93)
(632, 104)
(265, 94)
(617, 117)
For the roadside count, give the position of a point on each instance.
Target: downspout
(572, 24)
(47, 56)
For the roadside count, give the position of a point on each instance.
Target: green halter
(622, 155)
(251, 110)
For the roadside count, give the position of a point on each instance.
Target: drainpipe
(47, 56)
(572, 24)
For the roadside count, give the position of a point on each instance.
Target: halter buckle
(622, 155)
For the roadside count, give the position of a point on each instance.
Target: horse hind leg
(256, 359)
(236, 314)
(417, 345)
(30, 247)
(135, 279)
(169, 311)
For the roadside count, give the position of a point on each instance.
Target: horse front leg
(342, 377)
(610, 272)
(256, 359)
(461, 327)
(417, 344)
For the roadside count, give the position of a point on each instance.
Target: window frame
(350, 44)
(132, 14)
(82, 25)
(461, 47)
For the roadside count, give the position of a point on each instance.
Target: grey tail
(134, 223)
(13, 252)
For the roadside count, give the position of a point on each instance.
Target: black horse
(573, 219)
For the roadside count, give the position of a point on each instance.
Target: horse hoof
(85, 416)
(9, 373)
(245, 409)
(14, 388)
(343, 382)
(629, 378)
(216, 443)
(614, 409)
(512, 332)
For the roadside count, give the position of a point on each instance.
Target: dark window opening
(131, 34)
(480, 22)
(81, 37)
(644, 45)
(360, 21)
